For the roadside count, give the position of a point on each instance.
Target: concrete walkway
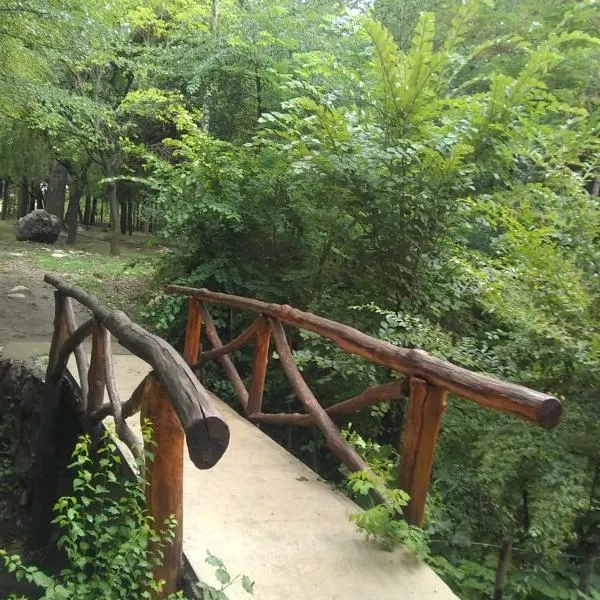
(268, 516)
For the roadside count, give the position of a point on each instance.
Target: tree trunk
(596, 187)
(502, 569)
(130, 208)
(114, 218)
(32, 197)
(123, 220)
(5, 200)
(55, 196)
(587, 568)
(73, 210)
(23, 197)
(87, 210)
(94, 209)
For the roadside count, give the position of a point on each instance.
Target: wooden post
(191, 351)
(96, 378)
(164, 491)
(260, 360)
(426, 406)
(59, 334)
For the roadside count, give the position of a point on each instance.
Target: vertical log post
(426, 407)
(164, 476)
(191, 351)
(96, 378)
(60, 331)
(164, 492)
(260, 360)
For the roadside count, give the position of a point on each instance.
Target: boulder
(39, 226)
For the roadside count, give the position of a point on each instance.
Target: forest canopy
(425, 170)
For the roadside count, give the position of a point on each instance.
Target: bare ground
(26, 315)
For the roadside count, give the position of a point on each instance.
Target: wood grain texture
(394, 390)
(336, 443)
(80, 355)
(193, 329)
(229, 347)
(96, 381)
(260, 361)
(232, 374)
(122, 429)
(421, 427)
(207, 434)
(535, 407)
(59, 333)
(164, 490)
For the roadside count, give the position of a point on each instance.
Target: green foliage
(383, 522)
(421, 170)
(110, 542)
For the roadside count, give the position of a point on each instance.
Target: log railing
(171, 396)
(426, 386)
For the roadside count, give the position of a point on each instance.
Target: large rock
(39, 226)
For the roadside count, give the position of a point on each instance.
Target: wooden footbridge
(237, 493)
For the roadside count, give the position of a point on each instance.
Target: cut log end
(207, 441)
(549, 413)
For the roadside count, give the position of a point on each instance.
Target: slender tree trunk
(502, 569)
(5, 199)
(214, 17)
(87, 207)
(596, 187)
(73, 210)
(102, 211)
(587, 567)
(57, 186)
(123, 220)
(94, 209)
(130, 207)
(23, 197)
(258, 82)
(32, 197)
(114, 218)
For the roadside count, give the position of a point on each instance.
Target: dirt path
(27, 303)
(25, 314)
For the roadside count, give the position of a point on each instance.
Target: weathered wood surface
(123, 430)
(80, 355)
(394, 390)
(207, 435)
(164, 491)
(535, 407)
(260, 360)
(191, 349)
(229, 347)
(234, 377)
(425, 409)
(96, 379)
(336, 443)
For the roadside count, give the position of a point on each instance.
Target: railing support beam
(164, 476)
(422, 424)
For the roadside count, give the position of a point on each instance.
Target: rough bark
(207, 435)
(55, 196)
(73, 210)
(114, 219)
(538, 408)
(23, 197)
(5, 198)
(502, 569)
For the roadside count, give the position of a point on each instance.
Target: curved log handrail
(207, 434)
(532, 406)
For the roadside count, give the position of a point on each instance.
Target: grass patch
(124, 282)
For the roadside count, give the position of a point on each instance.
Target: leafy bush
(110, 541)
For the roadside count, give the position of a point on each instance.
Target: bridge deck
(270, 517)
